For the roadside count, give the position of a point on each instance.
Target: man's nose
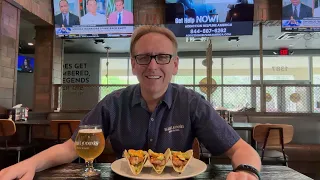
(153, 64)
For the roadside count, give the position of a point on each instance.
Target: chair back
(273, 133)
(7, 127)
(196, 148)
(63, 129)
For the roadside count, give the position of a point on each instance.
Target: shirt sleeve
(210, 129)
(99, 115)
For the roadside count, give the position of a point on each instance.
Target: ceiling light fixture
(30, 44)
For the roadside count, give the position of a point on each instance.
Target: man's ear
(133, 66)
(176, 64)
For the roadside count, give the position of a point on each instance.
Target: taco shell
(188, 155)
(136, 169)
(166, 157)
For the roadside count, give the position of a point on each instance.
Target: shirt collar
(298, 6)
(137, 98)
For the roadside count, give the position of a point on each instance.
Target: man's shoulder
(113, 13)
(127, 12)
(305, 6)
(100, 15)
(73, 15)
(184, 91)
(287, 6)
(125, 92)
(58, 15)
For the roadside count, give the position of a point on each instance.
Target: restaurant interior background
(292, 81)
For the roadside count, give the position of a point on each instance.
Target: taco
(158, 160)
(136, 160)
(180, 160)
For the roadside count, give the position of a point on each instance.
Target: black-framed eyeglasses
(145, 59)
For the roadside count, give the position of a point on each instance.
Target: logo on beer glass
(85, 144)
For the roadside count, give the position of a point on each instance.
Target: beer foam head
(90, 130)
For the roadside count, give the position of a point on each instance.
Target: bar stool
(7, 129)
(273, 135)
(63, 130)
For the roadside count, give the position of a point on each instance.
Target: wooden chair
(62, 130)
(273, 135)
(7, 129)
(196, 148)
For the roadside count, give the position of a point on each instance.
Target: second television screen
(301, 15)
(93, 18)
(201, 18)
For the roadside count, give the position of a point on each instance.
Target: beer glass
(89, 144)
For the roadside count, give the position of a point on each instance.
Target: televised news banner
(304, 25)
(89, 31)
(212, 29)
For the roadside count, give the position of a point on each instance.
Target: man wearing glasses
(154, 114)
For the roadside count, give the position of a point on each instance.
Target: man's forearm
(54, 156)
(243, 153)
(246, 156)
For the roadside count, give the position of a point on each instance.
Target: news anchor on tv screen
(92, 16)
(120, 16)
(26, 66)
(66, 18)
(296, 10)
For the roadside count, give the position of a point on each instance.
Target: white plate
(194, 168)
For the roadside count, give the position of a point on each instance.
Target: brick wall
(43, 69)
(40, 8)
(10, 18)
(57, 61)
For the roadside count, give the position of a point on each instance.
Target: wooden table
(215, 172)
(30, 123)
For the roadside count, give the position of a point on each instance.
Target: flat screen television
(301, 16)
(25, 64)
(207, 18)
(93, 18)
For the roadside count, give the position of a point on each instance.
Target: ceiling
(121, 45)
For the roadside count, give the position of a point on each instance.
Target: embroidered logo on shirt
(173, 128)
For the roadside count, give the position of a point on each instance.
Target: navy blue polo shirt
(181, 115)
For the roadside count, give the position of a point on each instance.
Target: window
(236, 70)
(282, 68)
(316, 81)
(112, 72)
(201, 73)
(185, 72)
(132, 78)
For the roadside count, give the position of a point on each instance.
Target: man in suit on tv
(297, 10)
(120, 16)
(65, 17)
(93, 17)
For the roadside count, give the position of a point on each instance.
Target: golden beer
(89, 143)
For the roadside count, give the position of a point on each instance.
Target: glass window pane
(316, 70)
(316, 81)
(132, 78)
(185, 72)
(282, 68)
(114, 71)
(236, 70)
(201, 73)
